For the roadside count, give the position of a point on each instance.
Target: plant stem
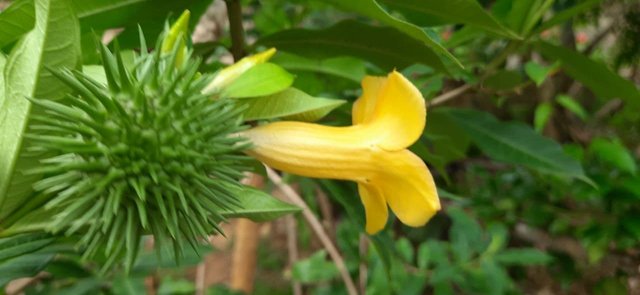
(234, 13)
(317, 228)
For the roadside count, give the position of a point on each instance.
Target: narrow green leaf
(54, 43)
(594, 75)
(614, 153)
(467, 12)
(356, 39)
(15, 21)
(372, 9)
(261, 79)
(292, 104)
(515, 143)
(542, 115)
(257, 205)
(22, 244)
(573, 106)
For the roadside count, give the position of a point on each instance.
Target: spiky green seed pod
(147, 153)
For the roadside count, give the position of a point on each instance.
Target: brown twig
(245, 247)
(292, 241)
(234, 12)
(317, 228)
(442, 98)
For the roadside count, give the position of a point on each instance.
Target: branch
(442, 98)
(234, 12)
(317, 228)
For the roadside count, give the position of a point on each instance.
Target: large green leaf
(55, 43)
(261, 79)
(258, 205)
(16, 21)
(515, 143)
(291, 103)
(373, 10)
(594, 75)
(24, 255)
(383, 46)
(344, 67)
(23, 266)
(100, 14)
(467, 12)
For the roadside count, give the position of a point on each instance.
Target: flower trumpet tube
(388, 117)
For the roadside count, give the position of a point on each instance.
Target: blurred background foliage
(533, 136)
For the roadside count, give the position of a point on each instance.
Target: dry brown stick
(292, 240)
(245, 247)
(317, 228)
(442, 98)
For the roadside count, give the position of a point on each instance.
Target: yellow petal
(232, 72)
(399, 177)
(312, 150)
(363, 107)
(375, 208)
(394, 108)
(407, 185)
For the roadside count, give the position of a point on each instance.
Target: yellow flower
(232, 72)
(388, 117)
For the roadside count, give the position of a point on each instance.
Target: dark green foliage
(147, 153)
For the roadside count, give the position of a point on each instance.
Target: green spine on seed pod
(147, 153)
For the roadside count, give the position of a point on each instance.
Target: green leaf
(567, 14)
(524, 14)
(23, 266)
(22, 244)
(568, 103)
(596, 76)
(173, 287)
(542, 115)
(344, 67)
(15, 21)
(465, 234)
(467, 12)
(292, 104)
(96, 72)
(614, 153)
(356, 39)
(522, 256)
(503, 80)
(261, 79)
(373, 10)
(127, 285)
(258, 205)
(99, 15)
(314, 269)
(54, 43)
(537, 72)
(515, 143)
